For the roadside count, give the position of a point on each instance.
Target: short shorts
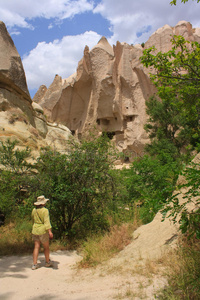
(43, 238)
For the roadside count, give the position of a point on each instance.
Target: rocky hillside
(109, 90)
(20, 118)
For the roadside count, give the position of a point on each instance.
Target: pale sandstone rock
(197, 35)
(20, 118)
(40, 93)
(13, 87)
(37, 107)
(57, 136)
(185, 29)
(18, 129)
(161, 39)
(109, 90)
(10, 98)
(11, 64)
(46, 134)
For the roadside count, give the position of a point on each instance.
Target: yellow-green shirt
(41, 221)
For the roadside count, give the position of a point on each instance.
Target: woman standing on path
(41, 231)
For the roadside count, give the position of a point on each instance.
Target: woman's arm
(47, 223)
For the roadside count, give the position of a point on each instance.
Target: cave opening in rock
(109, 134)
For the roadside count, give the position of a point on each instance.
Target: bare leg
(36, 252)
(46, 251)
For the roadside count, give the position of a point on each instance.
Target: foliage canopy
(80, 183)
(14, 176)
(173, 2)
(189, 220)
(174, 119)
(175, 113)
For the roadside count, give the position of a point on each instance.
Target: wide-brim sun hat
(41, 200)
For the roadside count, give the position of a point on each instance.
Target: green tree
(79, 184)
(175, 117)
(173, 124)
(14, 176)
(189, 219)
(150, 182)
(175, 113)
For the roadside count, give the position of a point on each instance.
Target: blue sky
(50, 35)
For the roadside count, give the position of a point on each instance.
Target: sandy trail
(18, 281)
(123, 277)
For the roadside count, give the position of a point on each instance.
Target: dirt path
(130, 275)
(18, 281)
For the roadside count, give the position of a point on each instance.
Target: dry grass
(99, 249)
(15, 240)
(182, 268)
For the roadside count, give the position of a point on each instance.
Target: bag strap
(38, 216)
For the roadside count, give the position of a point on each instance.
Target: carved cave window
(130, 119)
(105, 122)
(109, 134)
(126, 159)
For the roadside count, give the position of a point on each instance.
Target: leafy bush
(174, 113)
(14, 176)
(85, 192)
(149, 183)
(189, 220)
(79, 184)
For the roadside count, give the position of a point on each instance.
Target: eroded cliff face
(109, 90)
(12, 77)
(20, 118)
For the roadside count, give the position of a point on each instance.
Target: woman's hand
(50, 234)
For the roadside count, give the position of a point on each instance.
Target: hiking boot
(49, 264)
(34, 267)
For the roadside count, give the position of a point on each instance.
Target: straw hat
(41, 200)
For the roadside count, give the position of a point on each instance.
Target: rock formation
(109, 90)
(20, 118)
(12, 78)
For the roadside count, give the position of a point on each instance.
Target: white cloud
(15, 32)
(50, 26)
(21, 12)
(131, 21)
(59, 57)
(10, 18)
(128, 17)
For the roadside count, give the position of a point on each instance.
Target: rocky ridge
(109, 90)
(21, 118)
